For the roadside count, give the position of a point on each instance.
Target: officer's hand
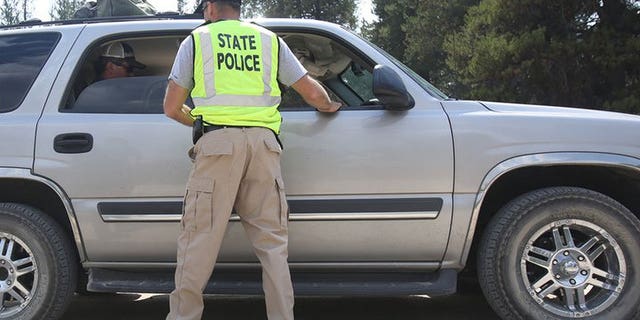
(331, 107)
(335, 106)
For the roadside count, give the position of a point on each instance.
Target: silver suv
(393, 195)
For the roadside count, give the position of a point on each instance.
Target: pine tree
(414, 32)
(64, 9)
(426, 31)
(342, 12)
(181, 6)
(389, 31)
(576, 53)
(26, 9)
(9, 12)
(195, 6)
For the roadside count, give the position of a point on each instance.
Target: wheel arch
(616, 176)
(21, 186)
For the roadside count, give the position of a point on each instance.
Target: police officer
(232, 69)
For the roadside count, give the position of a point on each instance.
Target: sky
(42, 8)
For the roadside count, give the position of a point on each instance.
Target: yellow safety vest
(235, 73)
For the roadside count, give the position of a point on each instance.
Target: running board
(364, 283)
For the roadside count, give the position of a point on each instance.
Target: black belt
(210, 128)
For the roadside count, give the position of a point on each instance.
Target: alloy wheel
(573, 268)
(18, 275)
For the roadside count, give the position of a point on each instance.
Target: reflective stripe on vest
(235, 73)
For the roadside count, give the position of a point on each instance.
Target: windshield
(432, 90)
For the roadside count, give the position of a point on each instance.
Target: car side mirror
(390, 90)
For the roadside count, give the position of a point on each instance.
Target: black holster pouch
(198, 129)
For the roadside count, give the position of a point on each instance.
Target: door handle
(73, 143)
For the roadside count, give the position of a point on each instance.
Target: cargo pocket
(273, 145)
(198, 210)
(284, 207)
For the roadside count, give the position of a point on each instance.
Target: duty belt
(199, 129)
(210, 128)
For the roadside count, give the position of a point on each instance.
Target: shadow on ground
(468, 304)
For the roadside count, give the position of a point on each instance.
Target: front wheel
(37, 267)
(562, 253)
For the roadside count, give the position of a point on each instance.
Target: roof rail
(157, 16)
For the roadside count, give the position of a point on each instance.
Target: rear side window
(123, 95)
(21, 59)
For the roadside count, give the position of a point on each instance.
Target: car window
(341, 71)
(21, 60)
(327, 61)
(431, 89)
(132, 95)
(359, 80)
(293, 101)
(140, 91)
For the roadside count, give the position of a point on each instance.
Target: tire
(38, 270)
(562, 253)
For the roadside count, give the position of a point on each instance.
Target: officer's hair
(230, 4)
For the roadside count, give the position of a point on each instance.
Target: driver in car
(117, 61)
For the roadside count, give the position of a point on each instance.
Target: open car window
(358, 80)
(123, 95)
(157, 53)
(346, 76)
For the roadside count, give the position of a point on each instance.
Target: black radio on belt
(198, 129)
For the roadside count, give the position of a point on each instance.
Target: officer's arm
(174, 104)
(314, 94)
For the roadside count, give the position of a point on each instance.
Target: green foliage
(14, 11)
(64, 9)
(414, 32)
(26, 9)
(567, 52)
(389, 31)
(182, 4)
(195, 6)
(9, 12)
(337, 11)
(570, 52)
(425, 36)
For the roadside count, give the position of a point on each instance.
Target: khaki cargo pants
(234, 168)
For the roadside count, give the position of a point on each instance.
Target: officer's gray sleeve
(182, 71)
(290, 69)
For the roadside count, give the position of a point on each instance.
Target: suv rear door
(29, 61)
(106, 144)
